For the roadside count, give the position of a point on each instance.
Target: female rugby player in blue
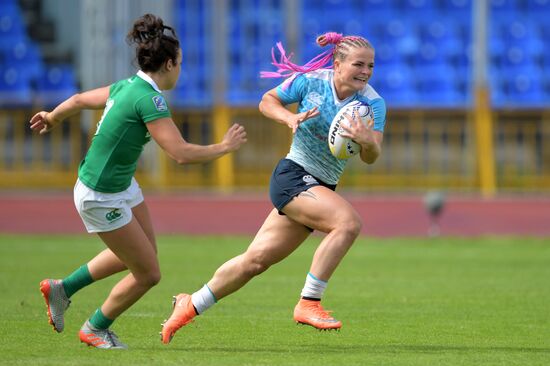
(303, 184)
(107, 196)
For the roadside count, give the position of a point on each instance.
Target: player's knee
(255, 264)
(355, 227)
(150, 278)
(351, 228)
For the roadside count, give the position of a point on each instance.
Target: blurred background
(466, 84)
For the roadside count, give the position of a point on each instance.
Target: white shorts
(102, 212)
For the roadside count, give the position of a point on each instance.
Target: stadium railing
(422, 149)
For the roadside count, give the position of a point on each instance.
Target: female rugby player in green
(106, 195)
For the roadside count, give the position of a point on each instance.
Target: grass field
(445, 301)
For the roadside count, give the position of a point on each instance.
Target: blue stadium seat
(58, 82)
(380, 6)
(446, 35)
(515, 56)
(545, 56)
(538, 5)
(377, 10)
(538, 10)
(438, 86)
(190, 97)
(517, 86)
(462, 59)
(496, 87)
(506, 8)
(525, 90)
(24, 54)
(395, 85)
(418, 8)
(463, 80)
(459, 9)
(386, 55)
(402, 35)
(11, 25)
(15, 87)
(431, 53)
(523, 33)
(545, 82)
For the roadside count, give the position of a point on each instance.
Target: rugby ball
(343, 147)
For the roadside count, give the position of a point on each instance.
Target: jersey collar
(148, 79)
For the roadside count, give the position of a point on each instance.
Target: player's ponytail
(153, 46)
(286, 68)
(340, 48)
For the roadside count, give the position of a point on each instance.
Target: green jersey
(121, 134)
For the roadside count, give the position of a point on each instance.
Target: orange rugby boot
(183, 314)
(311, 312)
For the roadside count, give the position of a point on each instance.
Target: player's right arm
(93, 99)
(272, 107)
(167, 135)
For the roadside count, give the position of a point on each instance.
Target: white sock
(203, 299)
(313, 287)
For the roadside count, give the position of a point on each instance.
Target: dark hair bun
(153, 46)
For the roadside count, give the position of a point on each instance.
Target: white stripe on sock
(203, 299)
(313, 287)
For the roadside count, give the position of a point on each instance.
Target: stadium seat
(386, 55)
(525, 34)
(15, 87)
(545, 83)
(459, 9)
(11, 25)
(395, 85)
(373, 10)
(25, 54)
(57, 83)
(431, 53)
(538, 5)
(496, 88)
(438, 86)
(538, 10)
(401, 34)
(525, 90)
(417, 8)
(506, 8)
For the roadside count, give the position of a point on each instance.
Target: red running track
(383, 216)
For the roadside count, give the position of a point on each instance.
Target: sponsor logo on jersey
(160, 103)
(308, 179)
(113, 215)
(315, 98)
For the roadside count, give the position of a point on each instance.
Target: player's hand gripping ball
(343, 147)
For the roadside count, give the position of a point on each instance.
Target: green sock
(100, 321)
(77, 280)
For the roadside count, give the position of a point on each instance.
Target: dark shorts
(289, 180)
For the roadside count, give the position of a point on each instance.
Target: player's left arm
(370, 137)
(371, 147)
(93, 99)
(364, 135)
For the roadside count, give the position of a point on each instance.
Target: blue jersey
(309, 146)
